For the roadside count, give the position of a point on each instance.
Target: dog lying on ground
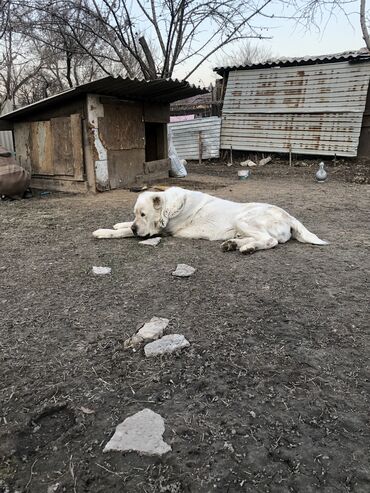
(188, 214)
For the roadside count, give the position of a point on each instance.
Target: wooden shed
(103, 135)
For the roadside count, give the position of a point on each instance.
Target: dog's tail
(300, 233)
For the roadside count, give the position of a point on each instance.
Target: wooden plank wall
(53, 151)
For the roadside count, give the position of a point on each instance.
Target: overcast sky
(290, 40)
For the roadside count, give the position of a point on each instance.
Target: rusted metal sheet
(152, 91)
(188, 134)
(351, 56)
(315, 109)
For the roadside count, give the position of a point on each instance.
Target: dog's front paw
(229, 246)
(122, 225)
(103, 233)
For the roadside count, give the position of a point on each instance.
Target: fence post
(200, 147)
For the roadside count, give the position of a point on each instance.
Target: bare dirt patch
(271, 396)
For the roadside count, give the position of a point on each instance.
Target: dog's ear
(157, 202)
(174, 203)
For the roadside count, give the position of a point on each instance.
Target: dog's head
(153, 210)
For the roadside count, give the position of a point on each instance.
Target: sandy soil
(271, 396)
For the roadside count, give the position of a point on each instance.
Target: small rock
(248, 163)
(151, 241)
(53, 488)
(228, 446)
(150, 331)
(101, 270)
(86, 410)
(262, 162)
(142, 433)
(153, 329)
(252, 413)
(183, 270)
(166, 345)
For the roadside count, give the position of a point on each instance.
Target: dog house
(103, 135)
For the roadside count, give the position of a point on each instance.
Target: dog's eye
(142, 214)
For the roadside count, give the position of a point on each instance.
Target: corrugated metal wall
(186, 137)
(6, 140)
(314, 109)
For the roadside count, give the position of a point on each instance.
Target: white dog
(189, 214)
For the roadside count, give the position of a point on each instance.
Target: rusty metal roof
(315, 109)
(154, 91)
(347, 56)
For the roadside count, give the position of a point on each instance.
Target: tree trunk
(149, 58)
(365, 31)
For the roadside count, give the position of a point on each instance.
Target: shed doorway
(155, 141)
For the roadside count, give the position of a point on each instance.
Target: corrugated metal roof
(316, 109)
(155, 91)
(186, 137)
(349, 56)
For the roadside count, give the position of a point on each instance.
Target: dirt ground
(271, 396)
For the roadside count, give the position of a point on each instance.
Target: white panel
(6, 140)
(186, 137)
(314, 109)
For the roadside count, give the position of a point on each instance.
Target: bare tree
(319, 12)
(4, 16)
(246, 53)
(17, 67)
(158, 35)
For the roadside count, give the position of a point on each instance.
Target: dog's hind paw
(247, 250)
(229, 246)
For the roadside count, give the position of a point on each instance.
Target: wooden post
(290, 154)
(231, 155)
(200, 147)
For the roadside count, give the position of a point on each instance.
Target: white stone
(166, 345)
(142, 433)
(151, 241)
(262, 162)
(53, 488)
(183, 270)
(248, 163)
(101, 270)
(153, 329)
(150, 331)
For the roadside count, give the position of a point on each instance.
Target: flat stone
(151, 241)
(101, 270)
(150, 331)
(183, 270)
(142, 433)
(153, 329)
(166, 345)
(248, 163)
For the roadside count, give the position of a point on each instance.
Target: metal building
(306, 106)
(197, 139)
